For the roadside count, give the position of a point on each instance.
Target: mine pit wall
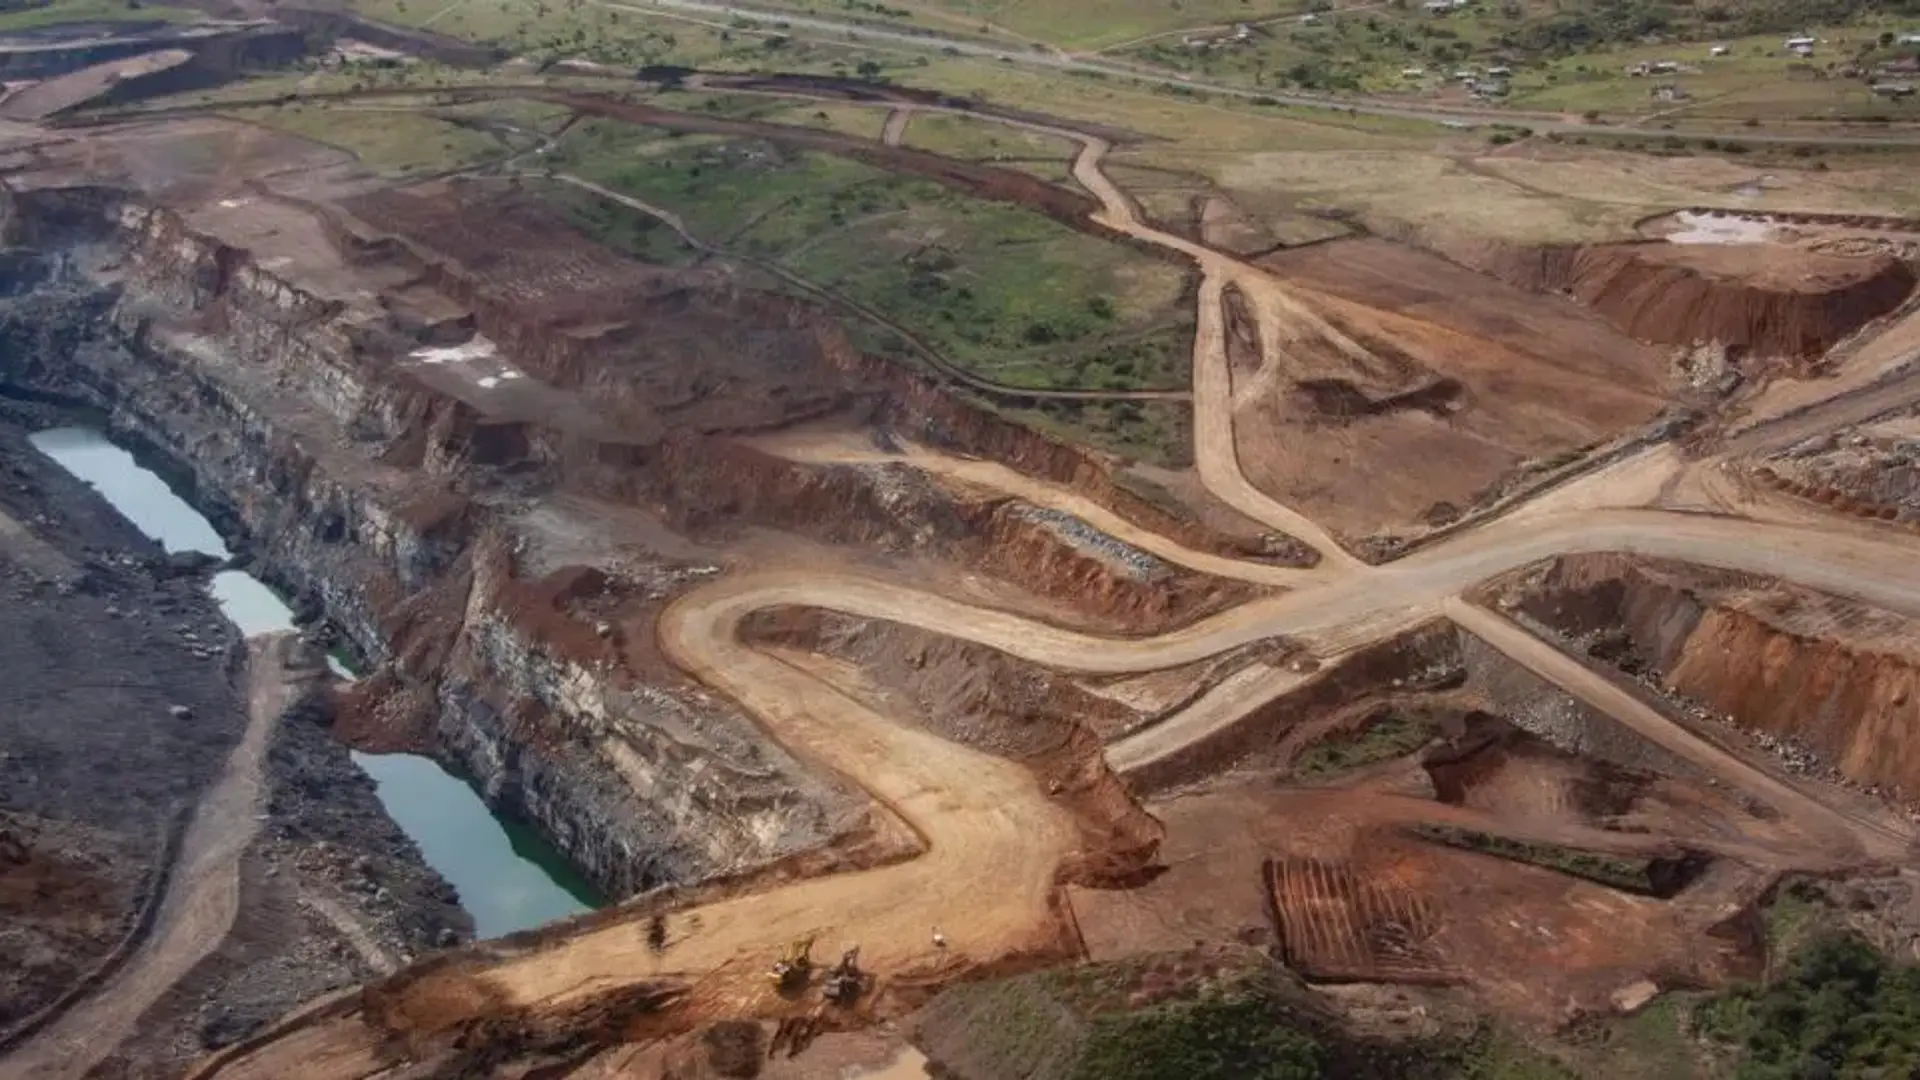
(1855, 706)
(355, 548)
(916, 407)
(704, 484)
(365, 552)
(1433, 656)
(1538, 707)
(1425, 657)
(922, 410)
(1666, 304)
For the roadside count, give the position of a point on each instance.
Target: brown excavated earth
(1765, 299)
(1837, 677)
(1465, 380)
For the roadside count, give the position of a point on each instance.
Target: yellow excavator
(795, 966)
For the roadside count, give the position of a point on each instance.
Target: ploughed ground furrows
(1338, 924)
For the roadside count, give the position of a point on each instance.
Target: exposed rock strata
(1838, 678)
(388, 502)
(1761, 300)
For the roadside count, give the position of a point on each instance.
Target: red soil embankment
(1839, 678)
(1763, 299)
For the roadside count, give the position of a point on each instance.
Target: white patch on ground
(479, 358)
(477, 347)
(1697, 228)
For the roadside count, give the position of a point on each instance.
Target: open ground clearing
(1338, 608)
(477, 365)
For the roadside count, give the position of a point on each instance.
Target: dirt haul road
(202, 899)
(993, 842)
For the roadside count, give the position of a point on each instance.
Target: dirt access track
(204, 894)
(990, 840)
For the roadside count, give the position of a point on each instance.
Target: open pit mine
(440, 644)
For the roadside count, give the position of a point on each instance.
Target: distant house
(1309, 19)
(1800, 50)
(1906, 65)
(1639, 70)
(1500, 71)
(1720, 50)
(1412, 73)
(1800, 42)
(1465, 75)
(1438, 7)
(1242, 32)
(1663, 67)
(1893, 90)
(1670, 92)
(1911, 37)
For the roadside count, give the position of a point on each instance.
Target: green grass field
(395, 141)
(981, 140)
(92, 11)
(1756, 78)
(1005, 293)
(1080, 25)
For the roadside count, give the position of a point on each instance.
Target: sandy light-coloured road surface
(203, 896)
(992, 841)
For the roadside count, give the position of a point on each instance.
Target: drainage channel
(508, 878)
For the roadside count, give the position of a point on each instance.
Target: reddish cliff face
(1837, 677)
(1761, 299)
(1854, 697)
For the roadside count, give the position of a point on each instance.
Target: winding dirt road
(992, 842)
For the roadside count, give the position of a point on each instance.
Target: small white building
(1800, 50)
(1800, 42)
(1911, 37)
(1438, 7)
(1720, 50)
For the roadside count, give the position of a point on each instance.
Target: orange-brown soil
(1834, 677)
(1761, 299)
(989, 701)
(1464, 380)
(520, 533)
(1331, 879)
(647, 366)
